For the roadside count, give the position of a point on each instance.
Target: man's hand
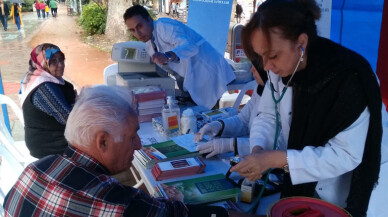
(159, 58)
(173, 193)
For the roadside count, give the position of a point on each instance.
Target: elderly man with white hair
(102, 135)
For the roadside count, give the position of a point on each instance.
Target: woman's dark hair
(136, 10)
(292, 17)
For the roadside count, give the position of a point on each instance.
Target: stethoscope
(277, 101)
(255, 203)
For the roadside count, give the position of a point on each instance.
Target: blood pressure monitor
(133, 52)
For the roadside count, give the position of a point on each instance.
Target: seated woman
(234, 131)
(47, 100)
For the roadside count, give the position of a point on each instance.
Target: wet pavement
(15, 50)
(14, 54)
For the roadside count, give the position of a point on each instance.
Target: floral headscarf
(37, 72)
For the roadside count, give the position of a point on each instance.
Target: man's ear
(102, 141)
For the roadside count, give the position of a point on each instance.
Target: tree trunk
(115, 27)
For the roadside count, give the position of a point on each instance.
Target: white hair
(98, 108)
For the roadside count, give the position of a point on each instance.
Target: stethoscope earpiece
(302, 53)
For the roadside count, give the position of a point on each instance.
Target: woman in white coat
(329, 127)
(199, 69)
(233, 133)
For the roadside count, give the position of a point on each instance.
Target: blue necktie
(153, 44)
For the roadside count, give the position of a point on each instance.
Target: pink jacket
(42, 6)
(37, 5)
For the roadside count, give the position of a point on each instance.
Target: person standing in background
(239, 11)
(53, 6)
(43, 8)
(16, 13)
(47, 10)
(4, 12)
(37, 7)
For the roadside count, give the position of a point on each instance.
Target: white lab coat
(206, 73)
(330, 165)
(240, 125)
(377, 202)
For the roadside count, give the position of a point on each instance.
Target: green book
(168, 148)
(206, 189)
(178, 147)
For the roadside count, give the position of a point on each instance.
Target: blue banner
(211, 18)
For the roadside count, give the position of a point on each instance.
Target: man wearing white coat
(197, 66)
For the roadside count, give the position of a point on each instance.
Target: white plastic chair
(139, 181)
(236, 99)
(248, 86)
(110, 74)
(15, 108)
(15, 154)
(18, 149)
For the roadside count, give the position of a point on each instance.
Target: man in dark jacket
(4, 13)
(239, 11)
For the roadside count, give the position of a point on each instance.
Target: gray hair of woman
(99, 107)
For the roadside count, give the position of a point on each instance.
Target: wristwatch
(169, 56)
(286, 168)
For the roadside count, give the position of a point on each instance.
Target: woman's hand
(216, 146)
(254, 165)
(210, 129)
(257, 149)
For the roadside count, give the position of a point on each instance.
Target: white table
(214, 165)
(147, 133)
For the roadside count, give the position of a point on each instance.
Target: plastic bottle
(171, 118)
(188, 122)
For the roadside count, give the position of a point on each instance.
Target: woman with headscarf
(47, 100)
(16, 13)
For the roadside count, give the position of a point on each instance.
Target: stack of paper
(178, 147)
(178, 168)
(204, 189)
(148, 102)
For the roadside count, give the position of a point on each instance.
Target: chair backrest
(110, 74)
(18, 149)
(248, 86)
(15, 108)
(13, 159)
